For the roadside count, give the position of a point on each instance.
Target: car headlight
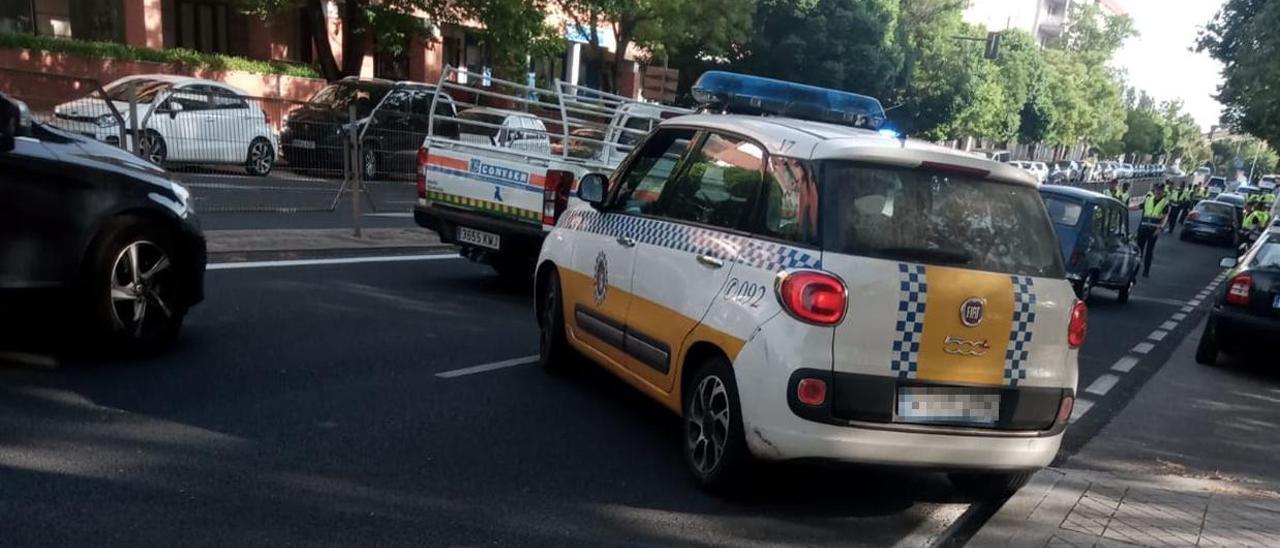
(106, 120)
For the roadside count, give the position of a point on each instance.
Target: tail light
(1193, 215)
(423, 157)
(1065, 407)
(814, 297)
(1241, 286)
(555, 195)
(1079, 325)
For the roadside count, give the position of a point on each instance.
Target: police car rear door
(598, 283)
(688, 248)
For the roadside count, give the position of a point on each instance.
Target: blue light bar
(743, 94)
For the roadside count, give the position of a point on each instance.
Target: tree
(1245, 36)
(704, 28)
(509, 25)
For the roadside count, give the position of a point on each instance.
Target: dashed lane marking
(1178, 317)
(1125, 364)
(1082, 406)
(1102, 385)
(1169, 325)
(1143, 348)
(514, 362)
(339, 260)
(1193, 303)
(1158, 335)
(1188, 309)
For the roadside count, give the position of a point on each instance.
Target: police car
(798, 286)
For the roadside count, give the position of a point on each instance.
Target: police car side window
(651, 169)
(789, 201)
(719, 185)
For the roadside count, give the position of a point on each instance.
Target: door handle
(626, 242)
(709, 261)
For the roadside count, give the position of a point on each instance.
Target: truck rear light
(1078, 327)
(811, 296)
(423, 157)
(555, 195)
(1241, 287)
(812, 392)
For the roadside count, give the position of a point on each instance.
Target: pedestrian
(1113, 189)
(1124, 194)
(1155, 215)
(1178, 199)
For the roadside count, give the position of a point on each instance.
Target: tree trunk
(620, 64)
(353, 37)
(314, 12)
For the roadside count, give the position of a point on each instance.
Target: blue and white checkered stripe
(913, 291)
(1024, 315)
(761, 254)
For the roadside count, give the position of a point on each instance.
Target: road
(227, 200)
(335, 405)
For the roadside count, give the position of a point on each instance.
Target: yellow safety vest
(1257, 219)
(1153, 211)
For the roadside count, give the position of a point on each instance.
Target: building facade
(1046, 20)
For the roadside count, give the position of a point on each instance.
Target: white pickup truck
(498, 188)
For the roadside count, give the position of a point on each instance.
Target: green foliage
(177, 56)
(1245, 36)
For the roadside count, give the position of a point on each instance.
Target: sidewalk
(1191, 461)
(244, 245)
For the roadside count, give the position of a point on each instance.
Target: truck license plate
(479, 237)
(304, 144)
(948, 405)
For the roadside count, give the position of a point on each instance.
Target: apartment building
(1046, 20)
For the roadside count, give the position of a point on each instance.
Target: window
(718, 186)
(339, 97)
(1101, 224)
(486, 126)
(221, 98)
(1268, 255)
(790, 201)
(1118, 221)
(397, 103)
(1062, 211)
(936, 218)
(640, 125)
(146, 89)
(191, 100)
(202, 26)
(649, 171)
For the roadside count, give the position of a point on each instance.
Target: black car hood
(94, 151)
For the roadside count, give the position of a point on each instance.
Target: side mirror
(15, 121)
(174, 108)
(591, 189)
(1227, 262)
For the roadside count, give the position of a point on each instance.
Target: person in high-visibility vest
(1124, 194)
(1178, 199)
(1155, 215)
(1113, 189)
(1202, 192)
(1257, 219)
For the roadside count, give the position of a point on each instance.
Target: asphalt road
(304, 406)
(227, 200)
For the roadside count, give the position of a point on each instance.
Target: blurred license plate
(478, 237)
(303, 143)
(948, 405)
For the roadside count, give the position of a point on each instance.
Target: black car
(102, 233)
(1093, 235)
(392, 120)
(1246, 316)
(1212, 221)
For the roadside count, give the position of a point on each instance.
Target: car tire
(720, 462)
(988, 486)
(260, 158)
(1122, 294)
(1207, 351)
(134, 287)
(513, 269)
(1084, 290)
(368, 162)
(154, 149)
(554, 353)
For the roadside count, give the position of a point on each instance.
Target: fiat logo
(971, 311)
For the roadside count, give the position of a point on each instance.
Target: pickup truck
(498, 187)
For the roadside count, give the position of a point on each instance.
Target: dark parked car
(1246, 316)
(87, 224)
(392, 117)
(1093, 232)
(1212, 221)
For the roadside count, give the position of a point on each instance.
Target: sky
(1159, 60)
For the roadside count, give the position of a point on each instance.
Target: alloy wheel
(707, 424)
(261, 157)
(138, 286)
(370, 165)
(153, 149)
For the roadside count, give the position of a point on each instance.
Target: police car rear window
(930, 217)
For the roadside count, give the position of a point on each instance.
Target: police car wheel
(988, 486)
(715, 448)
(554, 352)
(1207, 350)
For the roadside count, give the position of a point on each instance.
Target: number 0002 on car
(479, 237)
(936, 404)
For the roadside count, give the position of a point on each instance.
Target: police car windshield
(936, 218)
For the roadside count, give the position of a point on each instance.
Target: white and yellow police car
(800, 287)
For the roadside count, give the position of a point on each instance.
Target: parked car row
(1039, 170)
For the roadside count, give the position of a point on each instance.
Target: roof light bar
(743, 94)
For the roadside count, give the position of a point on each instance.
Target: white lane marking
(1125, 364)
(1158, 335)
(1169, 325)
(1178, 317)
(339, 260)
(1102, 385)
(395, 215)
(1193, 302)
(1188, 309)
(1082, 406)
(1143, 348)
(487, 367)
(932, 525)
(42, 361)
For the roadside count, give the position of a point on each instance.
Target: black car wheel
(715, 446)
(134, 286)
(1122, 295)
(987, 486)
(368, 162)
(153, 148)
(1207, 350)
(554, 352)
(261, 157)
